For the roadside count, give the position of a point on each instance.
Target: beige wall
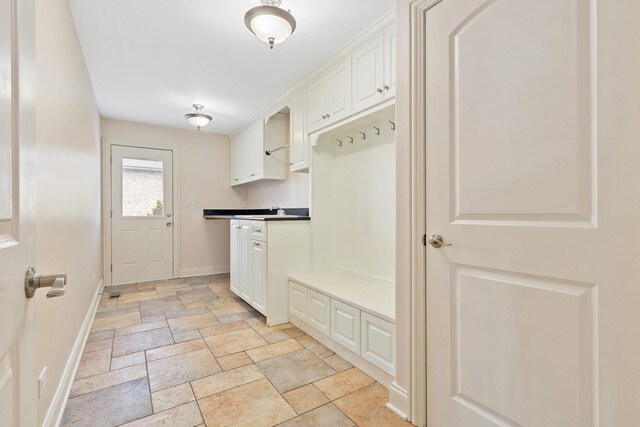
(291, 193)
(204, 174)
(68, 222)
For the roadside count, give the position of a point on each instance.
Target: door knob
(437, 241)
(33, 281)
(169, 224)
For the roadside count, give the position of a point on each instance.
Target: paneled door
(18, 393)
(532, 311)
(141, 214)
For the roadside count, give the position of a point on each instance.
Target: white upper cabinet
(248, 159)
(298, 137)
(374, 72)
(329, 98)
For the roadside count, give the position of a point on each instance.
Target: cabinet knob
(324, 116)
(386, 87)
(379, 90)
(328, 115)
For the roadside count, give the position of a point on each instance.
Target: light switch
(191, 200)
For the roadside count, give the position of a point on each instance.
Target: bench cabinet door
(378, 342)
(345, 325)
(298, 301)
(319, 316)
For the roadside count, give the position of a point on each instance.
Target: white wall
(204, 174)
(291, 193)
(68, 224)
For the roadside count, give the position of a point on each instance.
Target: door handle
(33, 281)
(437, 241)
(169, 223)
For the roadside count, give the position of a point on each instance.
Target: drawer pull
(256, 243)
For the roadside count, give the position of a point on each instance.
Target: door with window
(141, 214)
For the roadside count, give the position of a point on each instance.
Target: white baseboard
(203, 271)
(398, 401)
(61, 396)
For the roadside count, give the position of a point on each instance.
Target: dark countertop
(301, 214)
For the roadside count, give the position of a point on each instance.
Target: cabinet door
(378, 342)
(368, 75)
(235, 257)
(319, 312)
(298, 301)
(390, 52)
(316, 114)
(259, 276)
(345, 325)
(257, 149)
(245, 260)
(298, 133)
(337, 93)
(235, 159)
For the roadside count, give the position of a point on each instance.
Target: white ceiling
(149, 60)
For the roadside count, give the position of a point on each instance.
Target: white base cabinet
(319, 307)
(260, 265)
(378, 342)
(345, 325)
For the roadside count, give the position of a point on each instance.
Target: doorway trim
(107, 143)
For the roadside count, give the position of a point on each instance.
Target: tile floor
(188, 352)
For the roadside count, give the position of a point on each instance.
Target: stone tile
(203, 280)
(146, 286)
(305, 398)
(272, 350)
(107, 304)
(315, 346)
(229, 318)
(233, 361)
(186, 415)
(258, 323)
(187, 312)
(233, 342)
(181, 368)
(294, 332)
(172, 287)
(173, 349)
(141, 341)
(153, 318)
(274, 337)
(171, 397)
(141, 328)
(94, 363)
(366, 407)
(344, 383)
(224, 328)
(114, 322)
(136, 297)
(337, 363)
(198, 321)
(249, 315)
(198, 295)
(226, 307)
(109, 406)
(294, 370)
(160, 306)
(186, 336)
(108, 379)
(116, 312)
(128, 360)
(194, 304)
(99, 336)
(128, 305)
(325, 416)
(255, 404)
(167, 294)
(123, 289)
(98, 345)
(225, 381)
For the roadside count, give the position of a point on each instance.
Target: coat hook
(364, 135)
(350, 140)
(377, 130)
(393, 125)
(339, 142)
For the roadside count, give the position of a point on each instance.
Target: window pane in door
(142, 188)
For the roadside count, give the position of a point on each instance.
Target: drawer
(259, 230)
(378, 342)
(345, 325)
(319, 312)
(298, 301)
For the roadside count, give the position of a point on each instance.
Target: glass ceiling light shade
(198, 119)
(270, 23)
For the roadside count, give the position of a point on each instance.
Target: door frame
(411, 254)
(107, 143)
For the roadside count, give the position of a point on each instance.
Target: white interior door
(532, 313)
(17, 207)
(141, 214)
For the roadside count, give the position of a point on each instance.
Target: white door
(245, 260)
(141, 214)
(259, 276)
(18, 395)
(235, 245)
(368, 75)
(532, 313)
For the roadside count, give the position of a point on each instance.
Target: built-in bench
(356, 313)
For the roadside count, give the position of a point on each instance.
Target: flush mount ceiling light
(198, 119)
(270, 23)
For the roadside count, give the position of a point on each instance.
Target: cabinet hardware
(328, 115)
(377, 130)
(268, 152)
(256, 244)
(350, 140)
(364, 135)
(393, 125)
(258, 230)
(386, 87)
(339, 142)
(379, 90)
(324, 116)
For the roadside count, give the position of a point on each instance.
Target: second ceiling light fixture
(270, 23)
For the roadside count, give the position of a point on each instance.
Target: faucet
(281, 211)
